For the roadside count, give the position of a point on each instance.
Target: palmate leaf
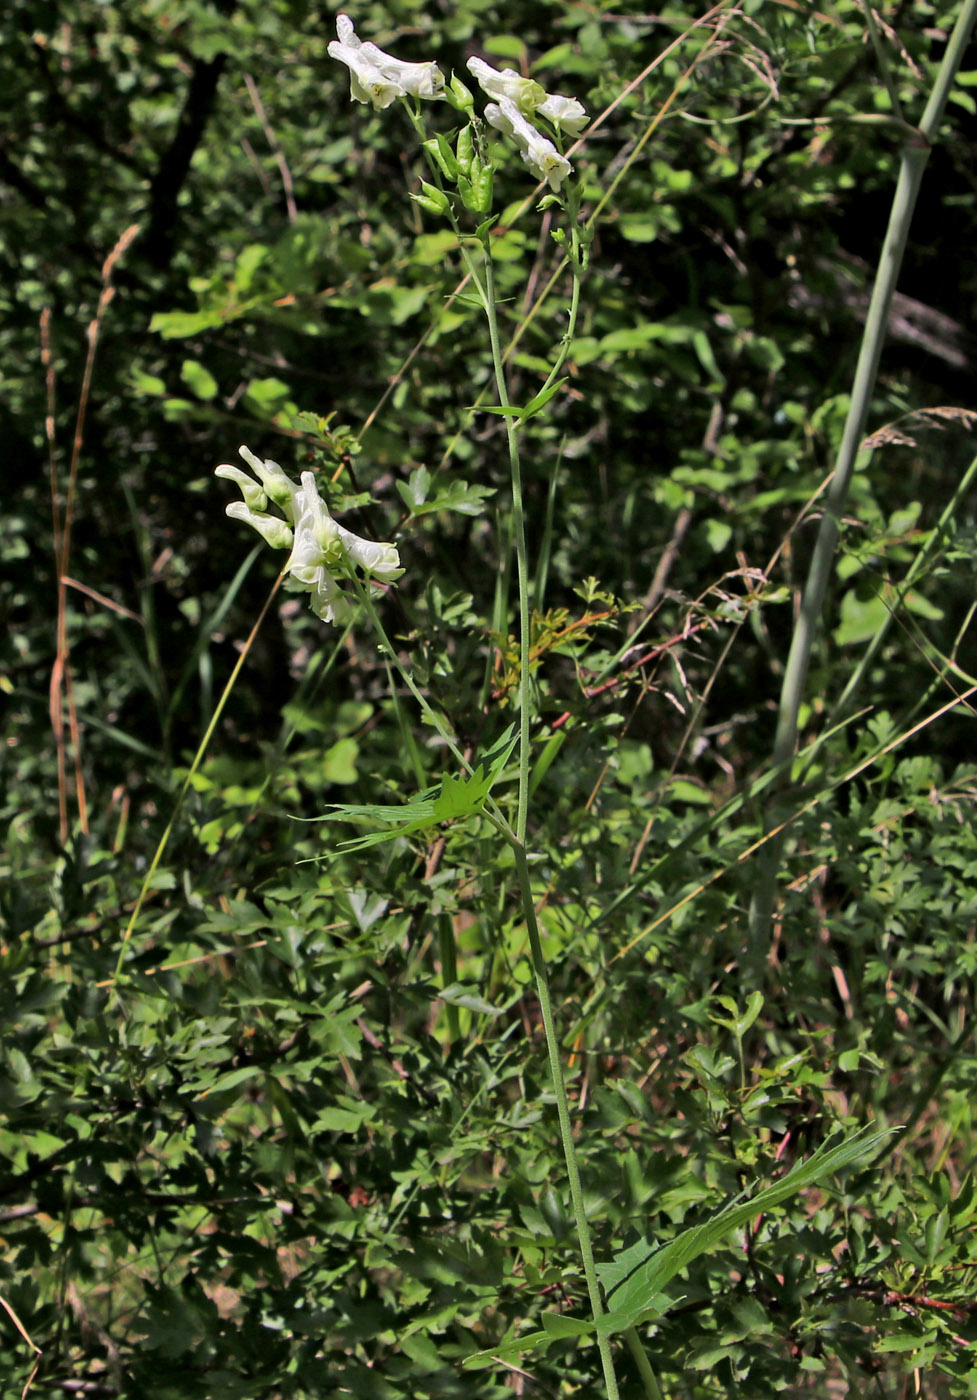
(458, 796)
(633, 1279)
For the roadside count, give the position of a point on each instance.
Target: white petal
(566, 113)
(324, 529)
(419, 79)
(366, 82)
(328, 601)
(542, 157)
(525, 93)
(380, 560)
(495, 116)
(279, 487)
(273, 530)
(345, 32)
(254, 496)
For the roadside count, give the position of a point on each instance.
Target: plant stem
(563, 1114)
(648, 1378)
(517, 836)
(912, 164)
(522, 556)
(519, 844)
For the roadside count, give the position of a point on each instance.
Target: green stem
(517, 838)
(648, 1378)
(449, 973)
(522, 555)
(563, 1114)
(912, 164)
(519, 844)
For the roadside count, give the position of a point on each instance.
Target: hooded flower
(322, 550)
(419, 79)
(565, 113)
(542, 157)
(378, 77)
(366, 82)
(526, 94)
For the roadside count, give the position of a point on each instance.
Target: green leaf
(339, 762)
(559, 1325)
(177, 325)
(198, 380)
(508, 1351)
(459, 796)
(543, 398)
(457, 995)
(633, 1280)
(223, 1082)
(453, 495)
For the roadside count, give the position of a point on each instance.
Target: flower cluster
(379, 78)
(323, 551)
(518, 99)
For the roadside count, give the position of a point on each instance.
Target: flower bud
(443, 156)
(435, 201)
(465, 149)
(459, 96)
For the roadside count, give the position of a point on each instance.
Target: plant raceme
(379, 78)
(323, 551)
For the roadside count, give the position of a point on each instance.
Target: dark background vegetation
(279, 1162)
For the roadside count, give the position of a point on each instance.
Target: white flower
(328, 601)
(542, 157)
(526, 94)
(419, 79)
(366, 82)
(322, 550)
(378, 77)
(380, 560)
(566, 113)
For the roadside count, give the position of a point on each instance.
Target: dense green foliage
(286, 1130)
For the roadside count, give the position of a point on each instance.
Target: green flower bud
(439, 150)
(459, 96)
(480, 187)
(465, 149)
(435, 201)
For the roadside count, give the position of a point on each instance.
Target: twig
(33, 1345)
(276, 150)
(62, 519)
